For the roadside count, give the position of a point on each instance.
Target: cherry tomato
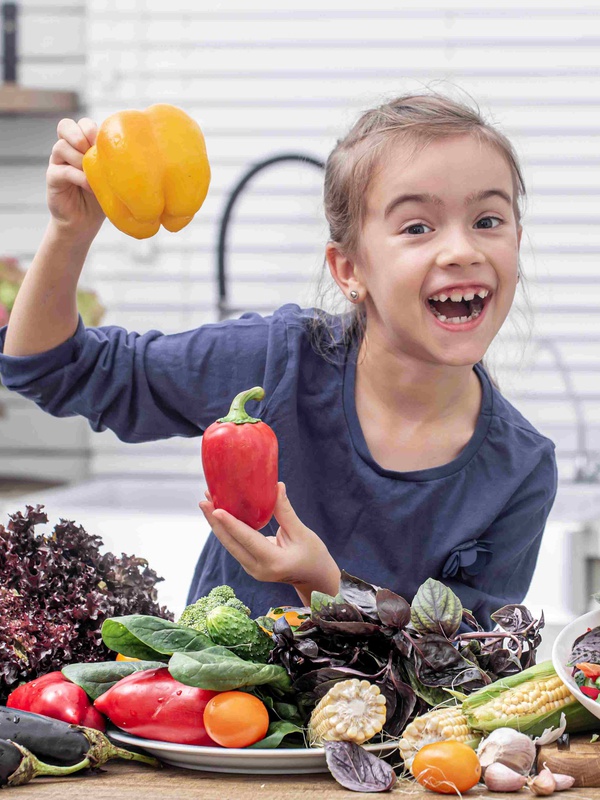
(447, 767)
(236, 719)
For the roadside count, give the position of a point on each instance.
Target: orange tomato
(236, 719)
(447, 767)
(121, 657)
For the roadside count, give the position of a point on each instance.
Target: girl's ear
(343, 271)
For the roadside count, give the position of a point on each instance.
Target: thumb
(284, 513)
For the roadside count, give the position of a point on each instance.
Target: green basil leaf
(320, 600)
(436, 609)
(95, 679)
(276, 733)
(150, 638)
(220, 670)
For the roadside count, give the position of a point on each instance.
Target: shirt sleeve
(516, 538)
(152, 386)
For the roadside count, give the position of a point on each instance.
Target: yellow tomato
(121, 657)
(447, 767)
(236, 719)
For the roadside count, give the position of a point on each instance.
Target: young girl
(402, 460)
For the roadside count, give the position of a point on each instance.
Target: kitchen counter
(135, 782)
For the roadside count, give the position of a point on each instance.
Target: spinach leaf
(219, 670)
(276, 733)
(153, 638)
(97, 678)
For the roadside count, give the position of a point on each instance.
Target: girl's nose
(459, 248)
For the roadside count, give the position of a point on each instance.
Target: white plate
(561, 653)
(284, 761)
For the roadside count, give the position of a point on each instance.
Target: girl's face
(439, 244)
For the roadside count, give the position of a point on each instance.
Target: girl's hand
(71, 200)
(295, 555)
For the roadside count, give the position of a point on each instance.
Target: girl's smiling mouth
(460, 309)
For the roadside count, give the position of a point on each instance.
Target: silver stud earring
(353, 295)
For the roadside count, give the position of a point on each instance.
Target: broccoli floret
(194, 616)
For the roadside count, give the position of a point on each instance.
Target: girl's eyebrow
(433, 199)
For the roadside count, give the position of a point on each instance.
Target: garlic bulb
(505, 746)
(499, 778)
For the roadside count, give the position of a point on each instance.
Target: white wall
(51, 47)
(267, 78)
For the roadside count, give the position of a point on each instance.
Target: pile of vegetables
(362, 667)
(55, 592)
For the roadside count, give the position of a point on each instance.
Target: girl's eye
(418, 225)
(487, 219)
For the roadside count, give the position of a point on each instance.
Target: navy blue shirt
(476, 522)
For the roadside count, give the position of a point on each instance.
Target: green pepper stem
(237, 413)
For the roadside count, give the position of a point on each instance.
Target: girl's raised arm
(45, 310)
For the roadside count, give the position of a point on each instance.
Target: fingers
(80, 135)
(286, 516)
(61, 176)
(244, 543)
(65, 153)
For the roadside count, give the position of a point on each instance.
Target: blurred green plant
(11, 276)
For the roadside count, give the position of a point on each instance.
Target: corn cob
(529, 701)
(351, 711)
(447, 722)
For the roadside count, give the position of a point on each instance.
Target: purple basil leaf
(469, 618)
(358, 770)
(349, 628)
(513, 618)
(338, 612)
(404, 703)
(393, 610)
(359, 593)
(586, 648)
(402, 644)
(438, 663)
(436, 609)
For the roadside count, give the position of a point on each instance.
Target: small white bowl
(561, 653)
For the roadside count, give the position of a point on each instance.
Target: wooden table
(122, 781)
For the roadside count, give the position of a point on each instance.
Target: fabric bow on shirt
(469, 557)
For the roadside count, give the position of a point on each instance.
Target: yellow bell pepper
(149, 168)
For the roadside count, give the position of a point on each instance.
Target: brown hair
(414, 119)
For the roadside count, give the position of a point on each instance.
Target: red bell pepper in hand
(153, 705)
(239, 457)
(54, 696)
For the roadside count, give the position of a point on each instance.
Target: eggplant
(59, 744)
(18, 765)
